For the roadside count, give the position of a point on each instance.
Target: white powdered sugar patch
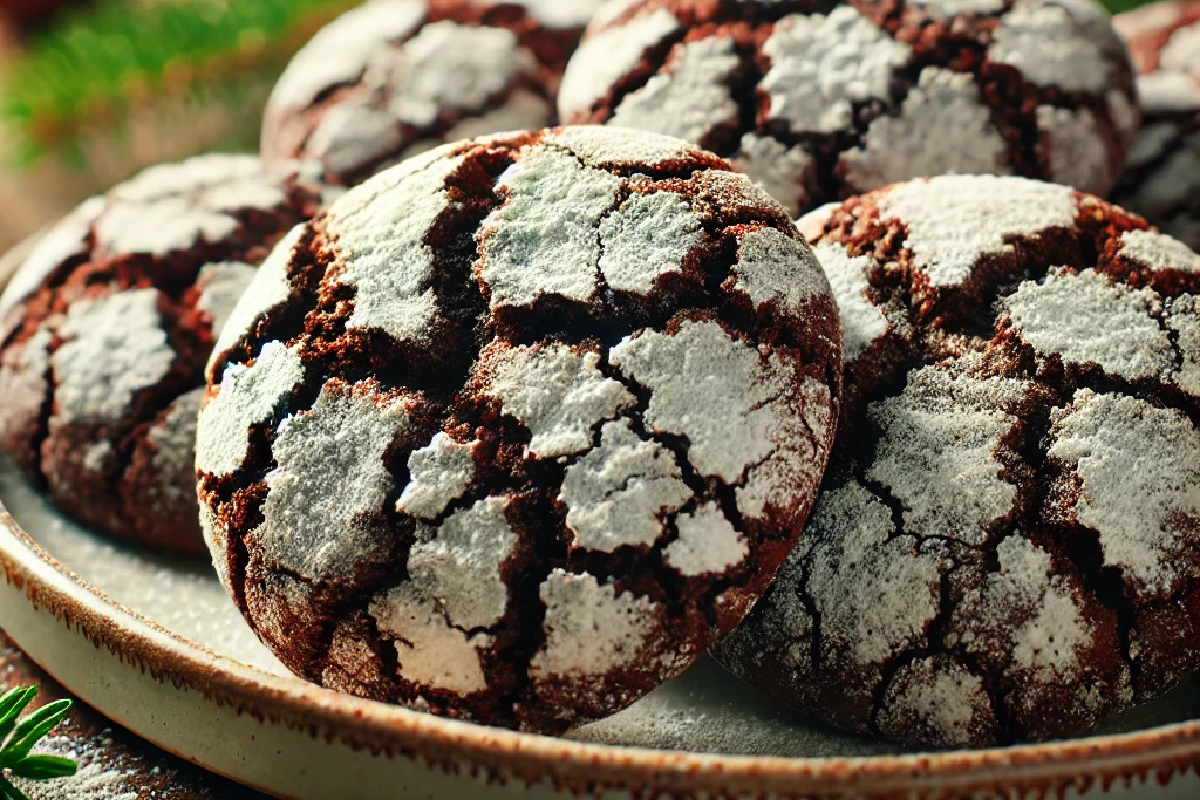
(1048, 644)
(115, 347)
(460, 569)
(353, 132)
(221, 287)
(23, 371)
(268, 289)
(1140, 483)
(450, 67)
(944, 697)
(1183, 317)
(774, 267)
(557, 393)
(875, 597)
(66, 240)
(954, 220)
(543, 239)
(1076, 63)
(599, 146)
(782, 172)
(744, 415)
(943, 127)
(1159, 252)
(174, 439)
(863, 323)
(379, 230)
(1087, 318)
(329, 480)
(1076, 151)
(1181, 53)
(708, 544)
(822, 65)
(248, 397)
(590, 629)
(159, 228)
(430, 652)
(188, 177)
(620, 492)
(649, 235)
(340, 51)
(439, 474)
(690, 97)
(937, 453)
(605, 57)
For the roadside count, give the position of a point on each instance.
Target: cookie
(394, 77)
(1007, 542)
(521, 425)
(106, 327)
(820, 101)
(1162, 179)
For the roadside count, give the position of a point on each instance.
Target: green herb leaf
(41, 768)
(31, 729)
(11, 705)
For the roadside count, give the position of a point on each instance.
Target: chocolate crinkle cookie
(1162, 179)
(520, 426)
(1007, 543)
(394, 77)
(106, 327)
(819, 100)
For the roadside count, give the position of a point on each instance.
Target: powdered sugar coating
(558, 394)
(440, 473)
(822, 64)
(620, 492)
(221, 287)
(1020, 436)
(1140, 487)
(387, 260)
(604, 57)
(504, 501)
(863, 323)
(775, 268)
(591, 628)
(1089, 319)
(114, 347)
(249, 396)
(943, 127)
(954, 221)
(818, 103)
(707, 544)
(691, 98)
(329, 476)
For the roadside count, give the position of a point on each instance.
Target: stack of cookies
(808, 340)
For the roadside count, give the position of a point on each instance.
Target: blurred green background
(91, 91)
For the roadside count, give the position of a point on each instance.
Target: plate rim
(394, 730)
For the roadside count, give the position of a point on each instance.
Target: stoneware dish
(153, 643)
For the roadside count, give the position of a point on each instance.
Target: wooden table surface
(113, 763)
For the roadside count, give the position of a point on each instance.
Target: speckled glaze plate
(152, 642)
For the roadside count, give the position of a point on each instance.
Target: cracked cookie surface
(105, 329)
(391, 78)
(1006, 545)
(1162, 179)
(520, 426)
(818, 100)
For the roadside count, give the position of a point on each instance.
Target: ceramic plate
(152, 642)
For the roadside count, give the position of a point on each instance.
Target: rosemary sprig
(19, 737)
